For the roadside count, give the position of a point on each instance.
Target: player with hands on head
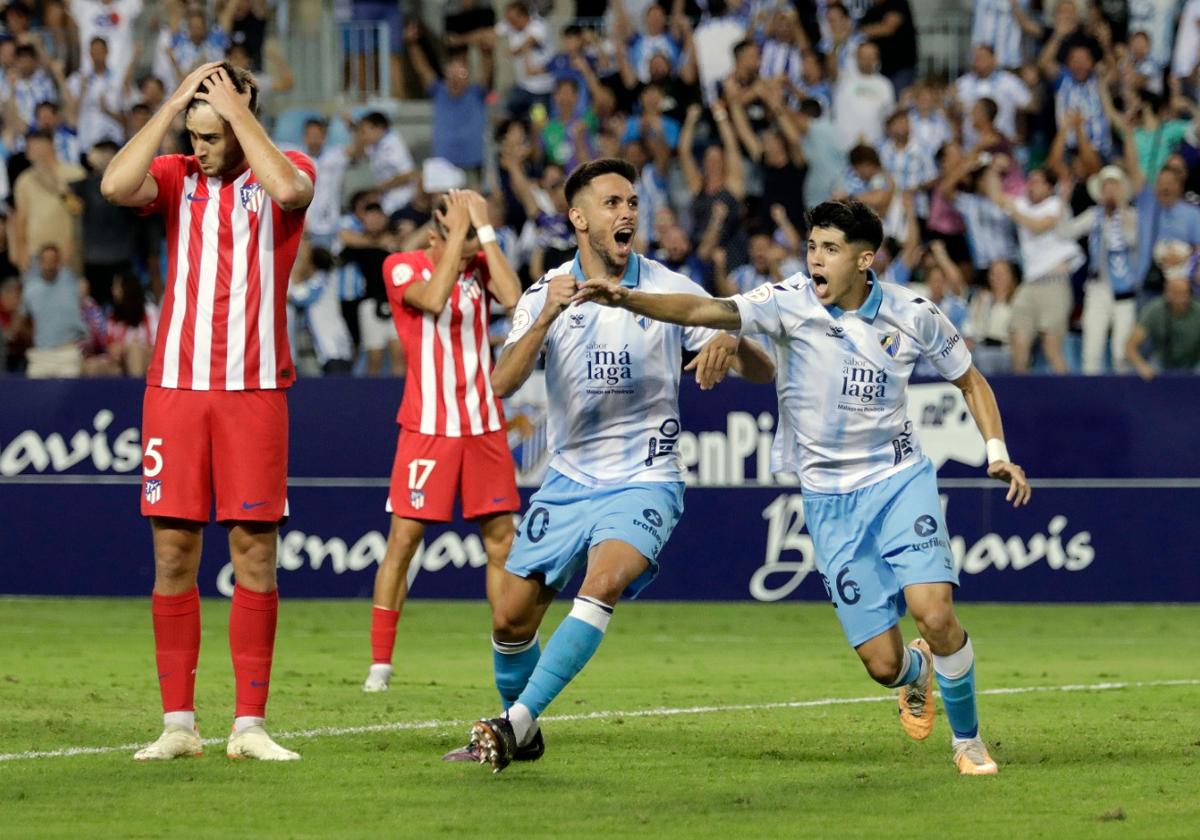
(215, 411)
(870, 495)
(452, 441)
(614, 487)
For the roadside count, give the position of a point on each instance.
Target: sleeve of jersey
(759, 310)
(167, 171)
(397, 275)
(528, 308)
(693, 337)
(941, 343)
(305, 164)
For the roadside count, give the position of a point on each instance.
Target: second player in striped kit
(452, 432)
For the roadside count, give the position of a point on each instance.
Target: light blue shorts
(873, 542)
(566, 518)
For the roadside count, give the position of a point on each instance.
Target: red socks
(252, 644)
(177, 648)
(383, 634)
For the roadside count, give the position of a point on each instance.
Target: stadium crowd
(1047, 199)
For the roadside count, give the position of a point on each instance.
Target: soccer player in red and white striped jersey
(452, 434)
(215, 412)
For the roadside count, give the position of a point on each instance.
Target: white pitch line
(410, 725)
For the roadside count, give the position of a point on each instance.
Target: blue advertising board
(1116, 481)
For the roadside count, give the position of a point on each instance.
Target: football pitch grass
(693, 720)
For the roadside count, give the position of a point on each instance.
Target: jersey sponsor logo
(949, 346)
(862, 382)
(609, 368)
(653, 517)
(193, 197)
(153, 491)
(924, 525)
(252, 197)
(759, 294)
(663, 443)
(401, 274)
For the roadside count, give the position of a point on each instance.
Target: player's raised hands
(560, 291)
(457, 218)
(224, 98)
(714, 360)
(186, 91)
(1019, 490)
(477, 208)
(603, 292)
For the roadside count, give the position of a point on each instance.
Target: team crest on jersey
(416, 499)
(401, 274)
(643, 322)
(468, 285)
(252, 197)
(153, 491)
(890, 343)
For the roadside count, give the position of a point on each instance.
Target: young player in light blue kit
(847, 344)
(614, 488)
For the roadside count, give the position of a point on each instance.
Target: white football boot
(254, 742)
(378, 678)
(175, 742)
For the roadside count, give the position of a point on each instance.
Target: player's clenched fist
(559, 292)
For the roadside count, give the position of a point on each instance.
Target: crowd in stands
(1047, 199)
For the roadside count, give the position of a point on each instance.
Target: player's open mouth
(820, 284)
(624, 239)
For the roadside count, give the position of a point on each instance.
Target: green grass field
(1091, 762)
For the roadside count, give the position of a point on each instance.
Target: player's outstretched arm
(288, 187)
(982, 403)
(687, 310)
(518, 359)
(128, 181)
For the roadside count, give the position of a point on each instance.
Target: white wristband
(996, 450)
(486, 234)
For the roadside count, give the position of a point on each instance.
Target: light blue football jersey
(842, 378)
(612, 380)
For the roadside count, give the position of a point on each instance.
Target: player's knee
(512, 626)
(883, 668)
(175, 565)
(937, 624)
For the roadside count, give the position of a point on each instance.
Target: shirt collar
(870, 306)
(629, 279)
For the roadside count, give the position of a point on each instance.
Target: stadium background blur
(398, 101)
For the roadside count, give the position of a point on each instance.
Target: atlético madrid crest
(153, 491)
(252, 197)
(416, 498)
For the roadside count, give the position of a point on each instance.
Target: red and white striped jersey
(448, 387)
(230, 251)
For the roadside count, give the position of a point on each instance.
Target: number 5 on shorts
(418, 472)
(152, 454)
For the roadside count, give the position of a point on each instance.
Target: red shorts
(430, 471)
(233, 442)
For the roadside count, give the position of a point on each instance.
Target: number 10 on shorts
(418, 473)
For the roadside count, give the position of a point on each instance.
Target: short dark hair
(320, 122)
(98, 38)
(570, 81)
(243, 81)
(861, 154)
(46, 103)
(106, 146)
(39, 134)
(377, 119)
(572, 29)
(27, 49)
(585, 173)
(989, 107)
(856, 221)
(518, 6)
(841, 7)
(373, 207)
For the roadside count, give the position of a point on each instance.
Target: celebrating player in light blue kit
(847, 344)
(614, 489)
